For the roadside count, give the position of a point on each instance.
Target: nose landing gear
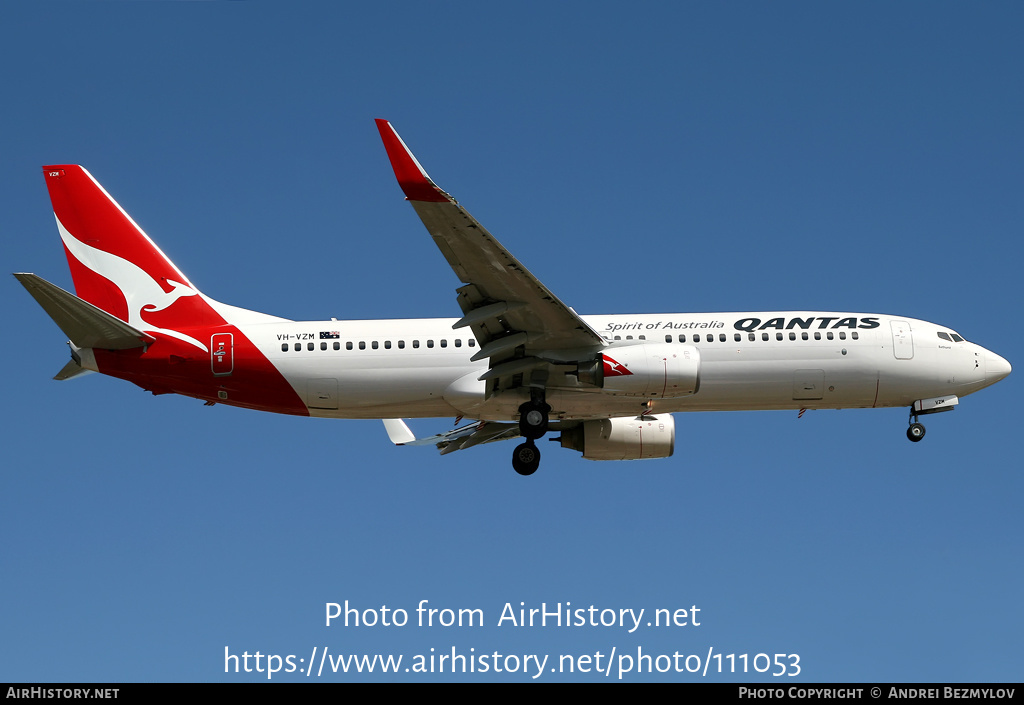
(921, 407)
(915, 432)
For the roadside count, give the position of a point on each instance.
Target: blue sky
(656, 158)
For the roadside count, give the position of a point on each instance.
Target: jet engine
(623, 438)
(652, 370)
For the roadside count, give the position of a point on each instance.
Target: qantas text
(751, 324)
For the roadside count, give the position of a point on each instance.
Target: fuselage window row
(375, 345)
(751, 337)
(682, 338)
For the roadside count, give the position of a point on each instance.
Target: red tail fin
(114, 264)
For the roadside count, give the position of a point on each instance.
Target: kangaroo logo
(613, 368)
(140, 290)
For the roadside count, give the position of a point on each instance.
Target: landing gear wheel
(526, 458)
(533, 420)
(915, 432)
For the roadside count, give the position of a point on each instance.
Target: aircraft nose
(996, 367)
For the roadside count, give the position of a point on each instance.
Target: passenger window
(721, 337)
(401, 345)
(309, 346)
(842, 335)
(387, 344)
(323, 346)
(374, 345)
(778, 336)
(668, 338)
(803, 336)
(764, 336)
(297, 347)
(830, 335)
(430, 343)
(751, 337)
(337, 345)
(472, 343)
(444, 343)
(415, 343)
(458, 342)
(792, 335)
(348, 345)
(855, 335)
(817, 335)
(362, 345)
(682, 337)
(696, 337)
(642, 337)
(284, 347)
(737, 337)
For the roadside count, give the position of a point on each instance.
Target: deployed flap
(84, 324)
(485, 432)
(456, 439)
(502, 297)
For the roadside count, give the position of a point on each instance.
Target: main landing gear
(526, 458)
(533, 424)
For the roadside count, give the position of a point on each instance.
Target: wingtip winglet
(412, 177)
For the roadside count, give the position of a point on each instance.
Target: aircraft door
(222, 354)
(902, 340)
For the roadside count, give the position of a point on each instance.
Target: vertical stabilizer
(114, 264)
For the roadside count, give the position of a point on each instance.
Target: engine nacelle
(623, 438)
(650, 370)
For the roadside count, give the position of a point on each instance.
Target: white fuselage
(748, 361)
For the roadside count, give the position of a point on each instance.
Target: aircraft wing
(512, 314)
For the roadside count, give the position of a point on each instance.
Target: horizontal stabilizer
(72, 369)
(85, 325)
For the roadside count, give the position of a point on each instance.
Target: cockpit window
(944, 335)
(957, 338)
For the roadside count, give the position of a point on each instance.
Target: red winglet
(411, 176)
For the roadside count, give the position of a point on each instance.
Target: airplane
(518, 363)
